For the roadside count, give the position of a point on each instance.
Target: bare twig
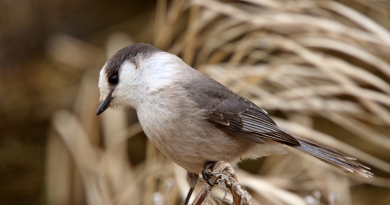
(224, 174)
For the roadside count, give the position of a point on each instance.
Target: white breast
(178, 129)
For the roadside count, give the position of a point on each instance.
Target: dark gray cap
(128, 53)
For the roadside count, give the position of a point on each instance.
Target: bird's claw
(206, 173)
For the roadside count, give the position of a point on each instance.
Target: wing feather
(242, 118)
(237, 115)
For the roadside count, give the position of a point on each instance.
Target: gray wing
(236, 115)
(240, 117)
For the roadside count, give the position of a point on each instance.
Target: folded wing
(242, 118)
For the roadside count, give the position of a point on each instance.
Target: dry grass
(308, 62)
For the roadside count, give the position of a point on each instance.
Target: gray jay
(194, 120)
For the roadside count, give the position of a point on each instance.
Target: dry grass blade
(268, 190)
(73, 52)
(357, 18)
(282, 19)
(57, 179)
(75, 139)
(355, 52)
(83, 152)
(361, 130)
(160, 30)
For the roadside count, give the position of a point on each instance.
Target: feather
(242, 118)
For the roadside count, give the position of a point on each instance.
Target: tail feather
(333, 157)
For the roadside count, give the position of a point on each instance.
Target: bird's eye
(113, 79)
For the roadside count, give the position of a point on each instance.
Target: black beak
(105, 104)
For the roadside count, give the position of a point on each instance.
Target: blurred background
(320, 68)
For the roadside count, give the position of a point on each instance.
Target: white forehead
(102, 76)
(128, 71)
(103, 83)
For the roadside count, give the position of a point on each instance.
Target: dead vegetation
(316, 66)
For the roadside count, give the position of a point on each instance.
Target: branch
(224, 174)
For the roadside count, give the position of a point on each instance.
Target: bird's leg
(206, 173)
(192, 179)
(189, 195)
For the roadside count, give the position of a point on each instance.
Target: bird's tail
(333, 157)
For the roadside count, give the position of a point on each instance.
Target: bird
(196, 121)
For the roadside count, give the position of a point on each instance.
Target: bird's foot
(206, 173)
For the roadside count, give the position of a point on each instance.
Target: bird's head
(120, 77)
(133, 72)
